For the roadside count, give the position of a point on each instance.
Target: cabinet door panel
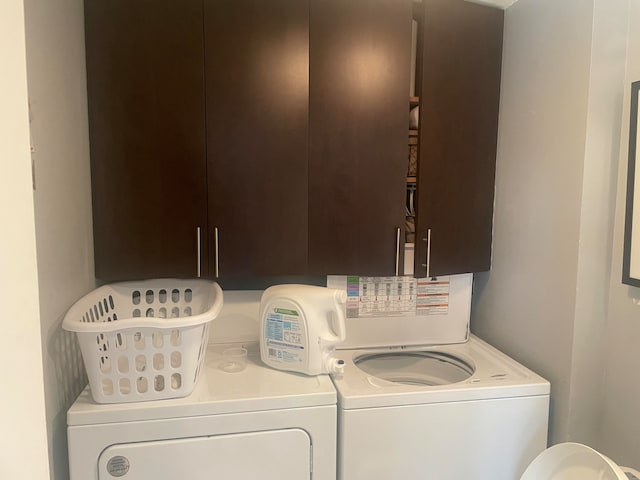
(146, 117)
(460, 89)
(358, 120)
(257, 77)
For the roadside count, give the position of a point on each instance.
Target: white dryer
(256, 423)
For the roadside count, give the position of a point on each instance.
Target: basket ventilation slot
(99, 312)
(141, 362)
(157, 299)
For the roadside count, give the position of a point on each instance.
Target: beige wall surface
(23, 442)
(62, 199)
(545, 300)
(606, 87)
(526, 304)
(621, 421)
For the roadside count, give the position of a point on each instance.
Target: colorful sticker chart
(396, 296)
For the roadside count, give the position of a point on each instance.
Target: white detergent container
(300, 326)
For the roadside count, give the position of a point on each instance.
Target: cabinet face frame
(631, 254)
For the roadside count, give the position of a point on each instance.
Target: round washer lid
(572, 461)
(419, 367)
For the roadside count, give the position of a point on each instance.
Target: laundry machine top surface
(255, 388)
(396, 376)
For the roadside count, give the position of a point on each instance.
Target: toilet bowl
(574, 461)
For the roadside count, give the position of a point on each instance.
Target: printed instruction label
(284, 336)
(432, 297)
(396, 296)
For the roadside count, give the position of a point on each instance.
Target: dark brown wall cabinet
(257, 88)
(285, 176)
(247, 138)
(360, 53)
(460, 88)
(147, 132)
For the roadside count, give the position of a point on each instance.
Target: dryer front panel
(268, 455)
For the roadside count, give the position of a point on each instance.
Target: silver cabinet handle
(398, 231)
(428, 264)
(198, 249)
(217, 249)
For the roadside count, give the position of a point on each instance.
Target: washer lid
(427, 368)
(571, 461)
(392, 377)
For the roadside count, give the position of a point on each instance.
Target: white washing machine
(255, 423)
(455, 409)
(438, 413)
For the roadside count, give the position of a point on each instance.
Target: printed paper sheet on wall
(396, 296)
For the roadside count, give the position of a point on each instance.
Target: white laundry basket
(631, 473)
(144, 340)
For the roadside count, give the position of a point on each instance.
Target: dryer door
(269, 455)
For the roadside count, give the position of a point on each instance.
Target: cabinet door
(257, 79)
(146, 118)
(460, 89)
(359, 86)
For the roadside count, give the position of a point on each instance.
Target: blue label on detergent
(284, 339)
(275, 327)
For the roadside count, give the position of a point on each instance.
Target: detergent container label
(285, 336)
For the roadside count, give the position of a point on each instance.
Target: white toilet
(574, 461)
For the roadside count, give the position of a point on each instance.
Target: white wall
(23, 443)
(544, 301)
(525, 305)
(606, 86)
(59, 138)
(621, 423)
